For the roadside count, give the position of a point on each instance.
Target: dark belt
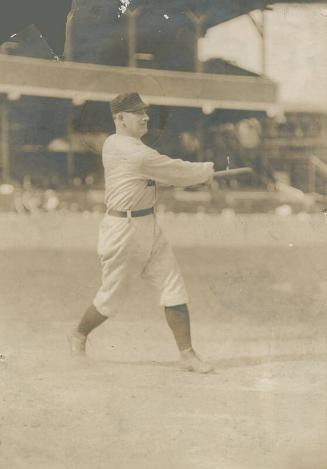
(131, 213)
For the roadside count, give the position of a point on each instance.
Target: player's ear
(120, 117)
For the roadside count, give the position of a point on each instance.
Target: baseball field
(258, 290)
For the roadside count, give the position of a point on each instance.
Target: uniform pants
(133, 248)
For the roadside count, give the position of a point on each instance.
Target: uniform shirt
(130, 166)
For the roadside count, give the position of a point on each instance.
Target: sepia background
(236, 83)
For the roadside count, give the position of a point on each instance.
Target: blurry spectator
(224, 143)
(51, 200)
(249, 133)
(77, 182)
(32, 200)
(190, 145)
(90, 180)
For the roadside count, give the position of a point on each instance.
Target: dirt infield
(259, 315)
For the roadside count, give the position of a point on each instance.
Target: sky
(296, 50)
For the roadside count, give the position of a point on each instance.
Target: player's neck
(124, 132)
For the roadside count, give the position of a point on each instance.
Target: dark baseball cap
(128, 102)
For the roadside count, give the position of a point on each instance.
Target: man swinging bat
(131, 243)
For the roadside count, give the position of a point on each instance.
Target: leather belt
(131, 213)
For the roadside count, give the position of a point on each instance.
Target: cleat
(190, 361)
(77, 344)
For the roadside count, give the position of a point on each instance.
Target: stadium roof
(219, 11)
(82, 82)
(49, 16)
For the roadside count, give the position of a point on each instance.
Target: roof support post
(5, 131)
(5, 150)
(132, 15)
(260, 26)
(197, 21)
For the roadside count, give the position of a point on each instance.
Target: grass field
(259, 315)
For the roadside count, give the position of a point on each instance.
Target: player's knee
(181, 308)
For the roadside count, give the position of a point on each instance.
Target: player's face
(136, 123)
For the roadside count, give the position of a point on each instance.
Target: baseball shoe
(191, 361)
(77, 344)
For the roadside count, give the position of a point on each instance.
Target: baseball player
(131, 243)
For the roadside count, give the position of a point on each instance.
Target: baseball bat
(232, 172)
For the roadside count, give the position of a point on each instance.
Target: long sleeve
(175, 172)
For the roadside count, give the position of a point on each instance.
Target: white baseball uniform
(136, 247)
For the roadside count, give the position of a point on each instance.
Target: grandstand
(203, 109)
